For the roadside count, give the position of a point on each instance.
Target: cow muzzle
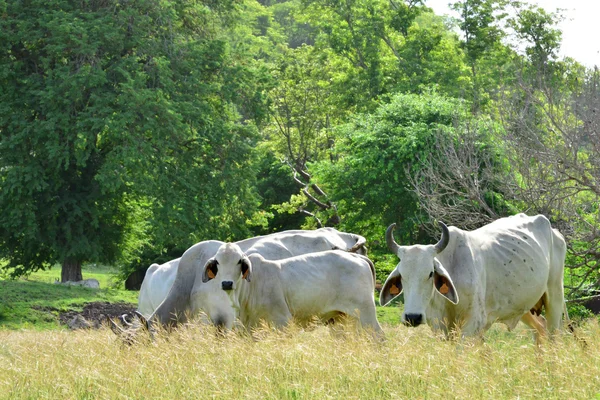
(413, 319)
(227, 285)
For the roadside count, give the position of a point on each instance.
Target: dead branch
(451, 182)
(318, 203)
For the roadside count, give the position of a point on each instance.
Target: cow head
(227, 267)
(221, 275)
(419, 274)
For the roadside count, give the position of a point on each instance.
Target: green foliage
(431, 57)
(375, 153)
(381, 47)
(578, 312)
(106, 107)
(275, 186)
(537, 28)
(297, 33)
(303, 106)
(480, 23)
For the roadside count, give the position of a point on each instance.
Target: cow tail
(567, 319)
(372, 266)
(571, 327)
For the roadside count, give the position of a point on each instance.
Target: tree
(374, 156)
(383, 47)
(550, 115)
(536, 27)
(462, 182)
(479, 22)
(552, 132)
(114, 115)
(300, 132)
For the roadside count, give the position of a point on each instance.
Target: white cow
(327, 285)
(188, 295)
(502, 272)
(156, 285)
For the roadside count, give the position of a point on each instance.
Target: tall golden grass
(194, 362)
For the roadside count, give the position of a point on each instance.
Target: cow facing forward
(503, 272)
(327, 285)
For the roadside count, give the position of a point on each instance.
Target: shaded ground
(94, 313)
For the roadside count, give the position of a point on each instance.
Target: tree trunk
(71, 270)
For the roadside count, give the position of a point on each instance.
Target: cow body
(503, 272)
(156, 285)
(189, 295)
(326, 285)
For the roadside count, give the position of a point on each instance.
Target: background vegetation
(131, 130)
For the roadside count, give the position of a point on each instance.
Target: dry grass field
(193, 362)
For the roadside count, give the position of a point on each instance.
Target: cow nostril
(227, 285)
(413, 319)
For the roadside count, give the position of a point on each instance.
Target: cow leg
(538, 323)
(281, 319)
(554, 299)
(368, 320)
(554, 303)
(473, 324)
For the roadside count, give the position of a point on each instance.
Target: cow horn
(123, 319)
(142, 319)
(114, 327)
(389, 237)
(441, 245)
(360, 243)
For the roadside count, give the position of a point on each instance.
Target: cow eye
(430, 274)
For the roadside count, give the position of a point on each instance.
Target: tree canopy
(131, 130)
(118, 114)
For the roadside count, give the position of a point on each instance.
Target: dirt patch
(96, 313)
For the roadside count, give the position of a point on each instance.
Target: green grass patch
(35, 302)
(104, 274)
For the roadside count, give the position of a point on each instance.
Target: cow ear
(443, 283)
(210, 270)
(246, 268)
(391, 288)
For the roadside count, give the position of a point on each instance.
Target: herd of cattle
(506, 271)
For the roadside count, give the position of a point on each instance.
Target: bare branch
(318, 203)
(317, 189)
(553, 138)
(452, 182)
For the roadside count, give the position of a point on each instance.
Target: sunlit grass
(194, 362)
(34, 303)
(104, 274)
